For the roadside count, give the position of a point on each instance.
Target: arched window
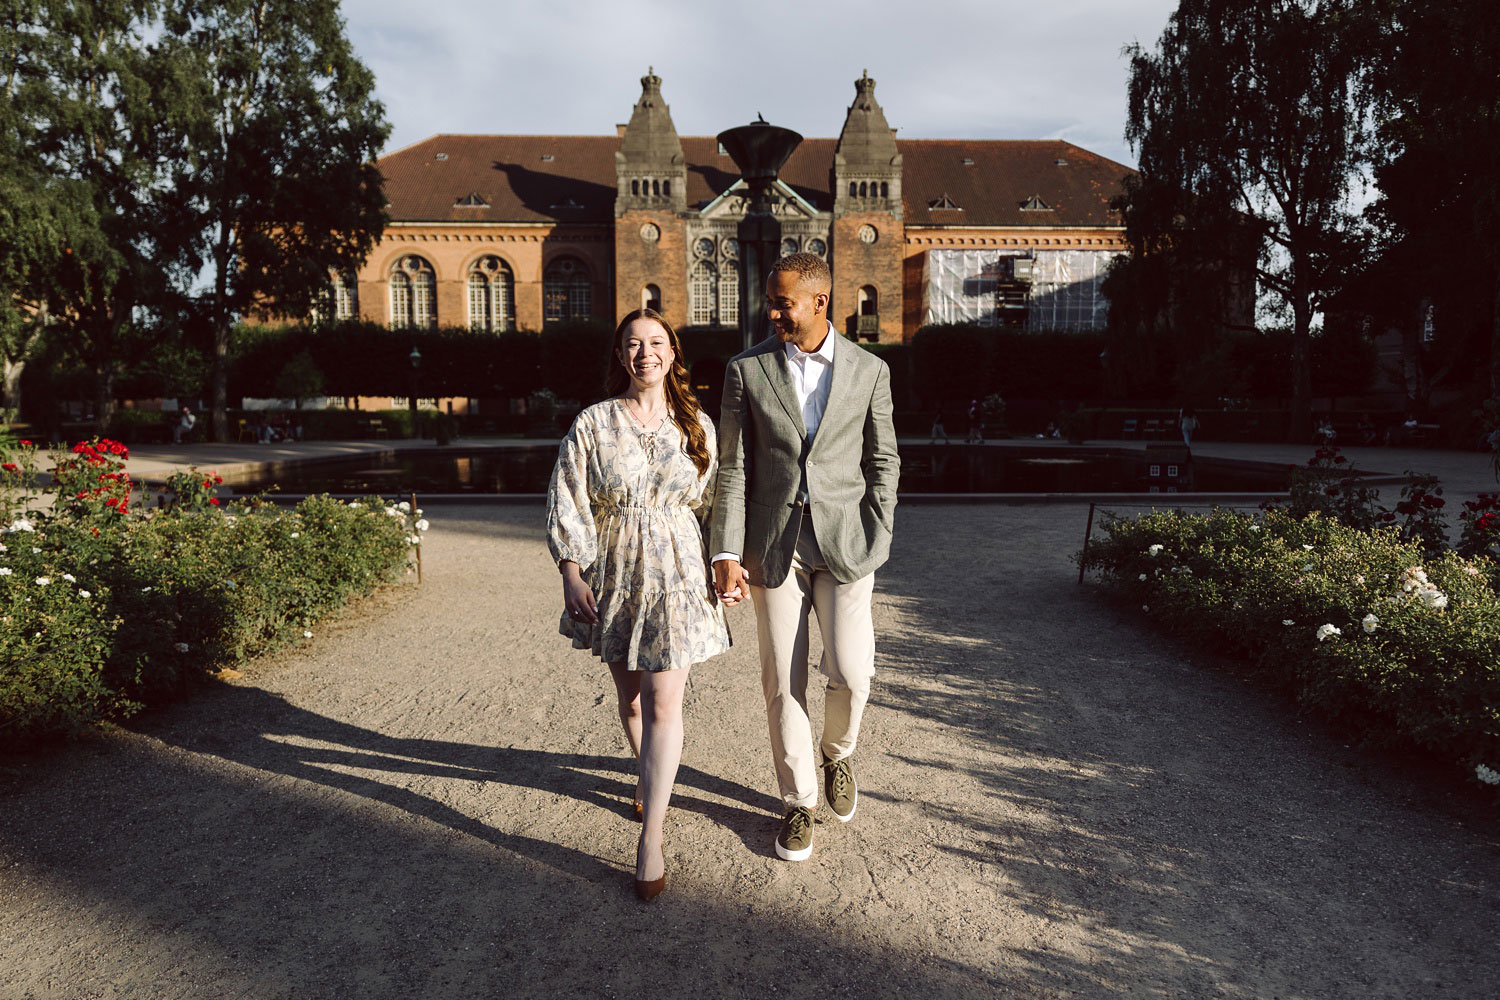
(869, 300)
(491, 295)
(635, 186)
(853, 189)
(656, 188)
(666, 188)
(651, 298)
(885, 189)
(861, 189)
(340, 300)
(567, 292)
(703, 294)
(729, 295)
(413, 293)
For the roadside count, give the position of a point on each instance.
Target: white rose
(1143, 577)
(1369, 623)
(1324, 631)
(21, 524)
(296, 534)
(5, 571)
(84, 594)
(1359, 580)
(42, 581)
(422, 525)
(306, 634)
(70, 578)
(182, 647)
(1487, 775)
(403, 507)
(1308, 547)
(1254, 527)
(1287, 621)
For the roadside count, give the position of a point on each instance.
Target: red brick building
(512, 232)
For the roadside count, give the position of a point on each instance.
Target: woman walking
(629, 495)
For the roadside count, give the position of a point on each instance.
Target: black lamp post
(759, 150)
(416, 364)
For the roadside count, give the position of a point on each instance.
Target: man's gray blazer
(851, 465)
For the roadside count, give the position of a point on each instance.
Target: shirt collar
(823, 353)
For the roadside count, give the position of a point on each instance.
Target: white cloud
(996, 69)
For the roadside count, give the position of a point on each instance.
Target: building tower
(650, 199)
(867, 231)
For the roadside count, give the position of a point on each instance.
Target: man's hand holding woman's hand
(578, 599)
(731, 582)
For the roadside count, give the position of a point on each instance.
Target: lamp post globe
(759, 149)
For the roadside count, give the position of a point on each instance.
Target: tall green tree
(1253, 114)
(96, 143)
(277, 184)
(1437, 86)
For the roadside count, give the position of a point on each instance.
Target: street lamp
(416, 363)
(759, 150)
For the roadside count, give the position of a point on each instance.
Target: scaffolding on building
(1042, 290)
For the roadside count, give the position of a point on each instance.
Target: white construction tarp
(963, 286)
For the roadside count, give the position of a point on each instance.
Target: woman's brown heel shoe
(647, 890)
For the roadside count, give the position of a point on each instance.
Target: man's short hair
(807, 266)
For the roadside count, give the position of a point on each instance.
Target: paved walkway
(429, 799)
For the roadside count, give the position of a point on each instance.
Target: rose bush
(106, 608)
(1388, 640)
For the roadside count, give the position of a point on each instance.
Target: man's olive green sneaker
(840, 790)
(794, 842)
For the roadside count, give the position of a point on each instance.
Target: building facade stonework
(503, 232)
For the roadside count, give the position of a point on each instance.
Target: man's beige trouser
(848, 630)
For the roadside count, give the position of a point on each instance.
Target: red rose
(214, 501)
(10, 467)
(27, 444)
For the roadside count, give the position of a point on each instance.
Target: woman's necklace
(650, 440)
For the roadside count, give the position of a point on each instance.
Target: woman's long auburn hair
(685, 408)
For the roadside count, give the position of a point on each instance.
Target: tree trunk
(1495, 337)
(12, 386)
(1300, 429)
(221, 379)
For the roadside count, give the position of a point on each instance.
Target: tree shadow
(264, 731)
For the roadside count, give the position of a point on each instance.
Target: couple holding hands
(797, 497)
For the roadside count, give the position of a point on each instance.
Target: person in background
(184, 425)
(938, 428)
(1187, 423)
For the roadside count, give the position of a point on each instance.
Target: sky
(944, 69)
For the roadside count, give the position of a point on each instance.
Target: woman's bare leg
(661, 752)
(628, 696)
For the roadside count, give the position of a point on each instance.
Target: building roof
(571, 178)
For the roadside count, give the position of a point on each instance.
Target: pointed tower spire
(650, 170)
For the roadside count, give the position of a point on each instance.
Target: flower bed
(1388, 639)
(105, 608)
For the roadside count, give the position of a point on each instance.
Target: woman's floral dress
(628, 507)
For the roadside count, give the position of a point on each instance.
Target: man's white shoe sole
(845, 819)
(787, 854)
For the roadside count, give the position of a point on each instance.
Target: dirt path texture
(430, 798)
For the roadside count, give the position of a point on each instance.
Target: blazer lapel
(778, 374)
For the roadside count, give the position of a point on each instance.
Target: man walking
(802, 518)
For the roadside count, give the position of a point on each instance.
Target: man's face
(795, 307)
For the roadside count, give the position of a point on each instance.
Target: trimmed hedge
(104, 610)
(1395, 645)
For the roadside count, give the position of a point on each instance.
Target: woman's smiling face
(646, 352)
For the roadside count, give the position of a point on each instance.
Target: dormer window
(944, 202)
(967, 161)
(441, 156)
(548, 157)
(472, 200)
(1035, 204)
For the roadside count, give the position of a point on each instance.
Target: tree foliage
(1438, 103)
(1250, 122)
(277, 187)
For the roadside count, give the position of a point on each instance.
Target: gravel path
(430, 799)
